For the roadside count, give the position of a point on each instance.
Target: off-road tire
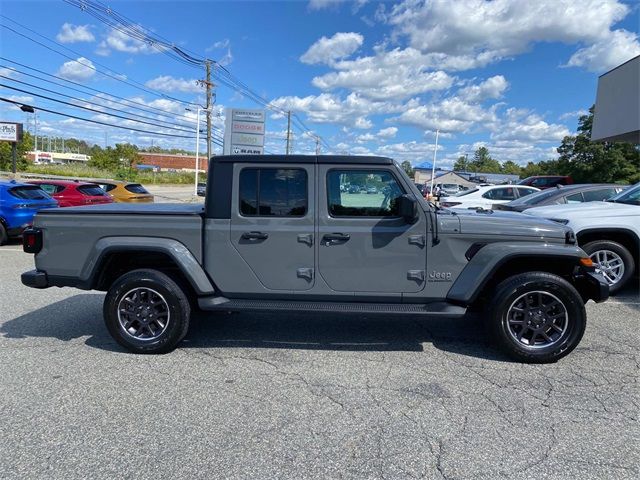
(503, 305)
(627, 259)
(172, 300)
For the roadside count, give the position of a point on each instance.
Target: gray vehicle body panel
(385, 259)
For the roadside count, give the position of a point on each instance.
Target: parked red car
(70, 193)
(546, 181)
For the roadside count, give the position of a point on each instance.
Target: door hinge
(305, 238)
(306, 273)
(417, 240)
(417, 275)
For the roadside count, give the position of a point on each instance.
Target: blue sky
(368, 77)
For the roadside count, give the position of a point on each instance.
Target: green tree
(482, 162)
(587, 161)
(461, 164)
(105, 159)
(511, 168)
(406, 166)
(22, 148)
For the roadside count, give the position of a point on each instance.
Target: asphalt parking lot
(298, 396)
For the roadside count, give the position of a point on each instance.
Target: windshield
(29, 193)
(629, 196)
(466, 192)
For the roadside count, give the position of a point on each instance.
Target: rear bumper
(35, 279)
(592, 286)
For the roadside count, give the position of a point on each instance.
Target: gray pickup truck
(330, 234)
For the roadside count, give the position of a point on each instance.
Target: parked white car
(487, 196)
(608, 231)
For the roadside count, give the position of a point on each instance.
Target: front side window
(598, 195)
(273, 192)
(575, 198)
(363, 193)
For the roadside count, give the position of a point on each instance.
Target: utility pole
(317, 145)
(208, 110)
(288, 131)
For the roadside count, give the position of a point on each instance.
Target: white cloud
(386, 133)
(492, 87)
(395, 74)
(525, 126)
(327, 50)
(121, 42)
(351, 111)
(75, 33)
(8, 72)
(80, 69)
(473, 33)
(572, 115)
(613, 50)
(167, 83)
(449, 115)
(321, 4)
(220, 44)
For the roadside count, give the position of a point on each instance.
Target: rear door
(273, 222)
(363, 245)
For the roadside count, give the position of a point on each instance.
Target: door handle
(332, 238)
(255, 236)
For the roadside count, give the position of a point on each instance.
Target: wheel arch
(115, 256)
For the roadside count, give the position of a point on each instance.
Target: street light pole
(433, 167)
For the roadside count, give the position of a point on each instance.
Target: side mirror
(408, 208)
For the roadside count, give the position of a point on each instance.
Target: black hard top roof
(340, 159)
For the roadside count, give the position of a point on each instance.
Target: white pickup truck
(608, 231)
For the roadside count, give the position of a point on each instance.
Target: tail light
(32, 240)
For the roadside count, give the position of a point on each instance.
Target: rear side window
(91, 190)
(29, 193)
(135, 188)
(273, 192)
(506, 193)
(575, 198)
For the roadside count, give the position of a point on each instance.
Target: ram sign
(244, 132)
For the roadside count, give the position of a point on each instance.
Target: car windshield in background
(135, 188)
(631, 196)
(535, 198)
(466, 192)
(92, 190)
(29, 193)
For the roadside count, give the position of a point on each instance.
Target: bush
(133, 175)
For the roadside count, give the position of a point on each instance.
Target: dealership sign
(244, 132)
(10, 132)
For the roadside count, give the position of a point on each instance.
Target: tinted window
(598, 195)
(534, 198)
(107, 187)
(91, 190)
(274, 192)
(29, 193)
(575, 198)
(380, 201)
(523, 192)
(506, 193)
(50, 189)
(135, 188)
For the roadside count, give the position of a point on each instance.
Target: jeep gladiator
(279, 233)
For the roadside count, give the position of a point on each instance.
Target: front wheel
(613, 260)
(145, 311)
(537, 317)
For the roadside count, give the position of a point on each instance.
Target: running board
(232, 305)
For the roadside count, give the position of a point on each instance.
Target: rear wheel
(147, 312)
(613, 260)
(537, 317)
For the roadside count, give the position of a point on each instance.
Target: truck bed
(132, 209)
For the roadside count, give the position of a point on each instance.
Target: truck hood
(131, 209)
(489, 222)
(587, 209)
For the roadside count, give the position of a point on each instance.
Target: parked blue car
(19, 202)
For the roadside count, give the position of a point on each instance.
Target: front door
(273, 222)
(363, 245)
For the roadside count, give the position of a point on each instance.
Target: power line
(165, 124)
(96, 121)
(114, 76)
